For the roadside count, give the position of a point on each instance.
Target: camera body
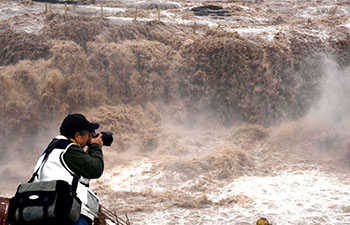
(107, 137)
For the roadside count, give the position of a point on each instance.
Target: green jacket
(87, 164)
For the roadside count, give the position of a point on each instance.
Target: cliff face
(81, 63)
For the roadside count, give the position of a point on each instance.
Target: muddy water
(233, 176)
(213, 124)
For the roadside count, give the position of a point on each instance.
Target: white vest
(55, 168)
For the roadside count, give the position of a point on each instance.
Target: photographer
(69, 159)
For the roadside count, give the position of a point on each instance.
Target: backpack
(46, 202)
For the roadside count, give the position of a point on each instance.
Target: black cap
(74, 123)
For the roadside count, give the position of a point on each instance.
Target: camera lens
(107, 138)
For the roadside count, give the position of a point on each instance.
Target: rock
(262, 221)
(210, 10)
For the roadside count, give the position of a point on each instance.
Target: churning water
(216, 119)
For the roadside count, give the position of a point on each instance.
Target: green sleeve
(87, 164)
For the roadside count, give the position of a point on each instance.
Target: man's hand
(97, 140)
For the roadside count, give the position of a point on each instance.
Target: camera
(107, 137)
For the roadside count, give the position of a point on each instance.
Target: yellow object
(135, 16)
(65, 10)
(158, 14)
(194, 28)
(262, 221)
(74, 141)
(46, 8)
(102, 10)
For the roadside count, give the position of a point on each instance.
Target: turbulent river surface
(222, 111)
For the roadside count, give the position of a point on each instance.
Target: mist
(208, 124)
(333, 107)
(322, 134)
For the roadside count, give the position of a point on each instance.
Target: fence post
(65, 11)
(135, 16)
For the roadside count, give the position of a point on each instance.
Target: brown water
(213, 125)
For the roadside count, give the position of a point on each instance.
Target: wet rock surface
(210, 10)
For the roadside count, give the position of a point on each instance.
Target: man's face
(82, 138)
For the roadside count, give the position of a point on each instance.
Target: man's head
(77, 127)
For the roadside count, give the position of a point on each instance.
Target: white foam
(347, 25)
(292, 197)
(9, 10)
(267, 31)
(137, 177)
(105, 9)
(126, 19)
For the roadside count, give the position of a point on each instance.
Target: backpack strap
(50, 147)
(75, 182)
(54, 144)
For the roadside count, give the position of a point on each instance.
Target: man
(69, 159)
